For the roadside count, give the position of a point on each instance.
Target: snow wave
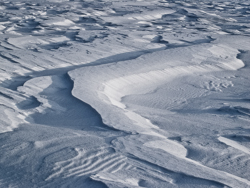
(106, 85)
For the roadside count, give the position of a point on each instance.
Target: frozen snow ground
(134, 93)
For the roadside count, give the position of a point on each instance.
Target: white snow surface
(132, 93)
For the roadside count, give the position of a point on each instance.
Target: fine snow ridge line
(234, 144)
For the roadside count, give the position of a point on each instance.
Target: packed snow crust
(132, 93)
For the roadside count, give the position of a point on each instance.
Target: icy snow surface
(125, 93)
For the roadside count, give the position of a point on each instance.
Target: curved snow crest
(105, 86)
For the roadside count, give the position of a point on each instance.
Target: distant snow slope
(133, 93)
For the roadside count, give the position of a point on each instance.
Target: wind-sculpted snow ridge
(132, 93)
(107, 85)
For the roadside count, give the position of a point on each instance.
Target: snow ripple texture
(132, 93)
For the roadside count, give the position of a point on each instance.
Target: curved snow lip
(105, 85)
